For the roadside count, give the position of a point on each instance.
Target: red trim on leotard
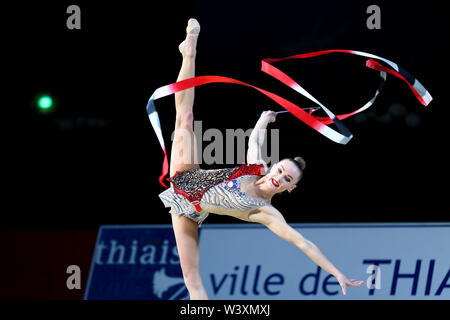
(244, 169)
(248, 169)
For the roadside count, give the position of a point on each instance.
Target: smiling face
(283, 176)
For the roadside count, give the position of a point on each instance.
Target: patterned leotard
(220, 187)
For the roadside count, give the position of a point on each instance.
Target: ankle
(189, 55)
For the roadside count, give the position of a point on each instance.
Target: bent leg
(186, 235)
(184, 147)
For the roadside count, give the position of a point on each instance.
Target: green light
(45, 102)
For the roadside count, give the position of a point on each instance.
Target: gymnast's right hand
(269, 116)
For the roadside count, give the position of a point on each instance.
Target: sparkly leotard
(221, 187)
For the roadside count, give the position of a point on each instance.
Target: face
(283, 176)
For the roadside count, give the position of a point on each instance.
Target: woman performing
(244, 192)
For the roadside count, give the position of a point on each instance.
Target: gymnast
(243, 192)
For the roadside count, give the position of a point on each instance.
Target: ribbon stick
(310, 110)
(342, 135)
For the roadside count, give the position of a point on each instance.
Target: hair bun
(301, 162)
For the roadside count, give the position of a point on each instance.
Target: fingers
(271, 115)
(349, 283)
(268, 113)
(343, 286)
(357, 283)
(344, 289)
(354, 283)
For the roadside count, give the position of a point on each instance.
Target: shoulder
(265, 215)
(248, 169)
(261, 165)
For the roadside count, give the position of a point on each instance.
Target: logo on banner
(163, 284)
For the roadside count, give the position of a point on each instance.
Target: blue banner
(136, 263)
(398, 261)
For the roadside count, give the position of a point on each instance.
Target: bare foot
(188, 46)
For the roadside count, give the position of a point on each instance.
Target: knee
(184, 119)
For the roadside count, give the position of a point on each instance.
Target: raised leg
(184, 147)
(183, 157)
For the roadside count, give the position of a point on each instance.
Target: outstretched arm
(257, 136)
(274, 220)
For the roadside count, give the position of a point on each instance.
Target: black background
(106, 171)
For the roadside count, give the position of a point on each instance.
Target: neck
(262, 190)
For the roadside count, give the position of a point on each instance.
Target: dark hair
(300, 163)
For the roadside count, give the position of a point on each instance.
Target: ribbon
(342, 135)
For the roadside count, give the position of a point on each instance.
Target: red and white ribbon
(321, 124)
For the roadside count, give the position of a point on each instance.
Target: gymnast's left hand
(344, 282)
